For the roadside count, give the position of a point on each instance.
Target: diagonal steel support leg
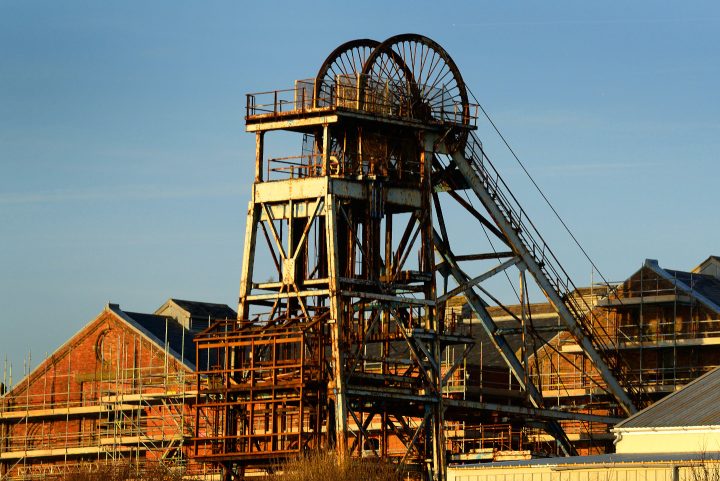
(498, 340)
(488, 190)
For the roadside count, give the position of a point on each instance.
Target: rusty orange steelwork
(345, 346)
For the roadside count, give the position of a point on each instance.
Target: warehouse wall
(563, 473)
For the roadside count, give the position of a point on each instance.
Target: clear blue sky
(125, 166)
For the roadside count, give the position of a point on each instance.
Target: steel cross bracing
(507, 353)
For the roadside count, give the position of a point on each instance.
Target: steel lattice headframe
(349, 344)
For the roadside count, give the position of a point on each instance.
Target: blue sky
(126, 169)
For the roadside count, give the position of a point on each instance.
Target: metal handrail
(298, 166)
(356, 92)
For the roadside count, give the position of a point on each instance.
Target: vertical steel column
(253, 217)
(338, 361)
(434, 320)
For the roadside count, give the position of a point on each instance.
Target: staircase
(525, 240)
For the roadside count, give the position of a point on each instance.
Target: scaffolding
(658, 321)
(67, 415)
(659, 327)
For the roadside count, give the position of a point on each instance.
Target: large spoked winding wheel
(342, 67)
(345, 62)
(430, 78)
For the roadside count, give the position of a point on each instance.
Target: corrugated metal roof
(697, 404)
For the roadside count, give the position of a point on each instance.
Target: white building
(686, 421)
(675, 439)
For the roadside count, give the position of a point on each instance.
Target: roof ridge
(665, 273)
(176, 299)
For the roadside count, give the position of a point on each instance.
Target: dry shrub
(328, 467)
(707, 470)
(124, 471)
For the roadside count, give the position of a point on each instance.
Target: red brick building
(119, 389)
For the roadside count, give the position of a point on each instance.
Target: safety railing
(295, 167)
(655, 331)
(94, 469)
(566, 383)
(384, 97)
(140, 408)
(340, 164)
(468, 437)
(661, 324)
(109, 386)
(279, 101)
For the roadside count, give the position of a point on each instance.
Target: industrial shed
(677, 438)
(605, 467)
(687, 421)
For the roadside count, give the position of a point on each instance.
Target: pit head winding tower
(341, 334)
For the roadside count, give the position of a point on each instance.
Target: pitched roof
(161, 329)
(206, 310)
(706, 262)
(486, 353)
(707, 285)
(151, 326)
(543, 316)
(703, 287)
(696, 404)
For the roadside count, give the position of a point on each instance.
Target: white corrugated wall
(557, 473)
